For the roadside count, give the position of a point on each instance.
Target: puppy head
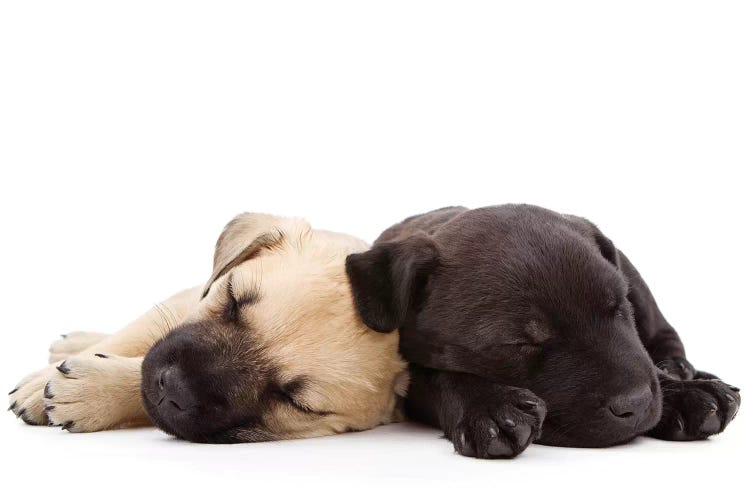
(528, 298)
(275, 348)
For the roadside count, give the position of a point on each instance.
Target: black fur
(498, 302)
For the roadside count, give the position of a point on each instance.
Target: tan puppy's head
(275, 348)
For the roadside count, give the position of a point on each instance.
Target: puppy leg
(696, 404)
(73, 343)
(483, 419)
(133, 341)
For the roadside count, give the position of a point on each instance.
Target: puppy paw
(695, 409)
(500, 429)
(73, 343)
(27, 398)
(94, 392)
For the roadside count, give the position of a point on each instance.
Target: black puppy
(515, 316)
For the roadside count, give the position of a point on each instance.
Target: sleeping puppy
(523, 324)
(270, 348)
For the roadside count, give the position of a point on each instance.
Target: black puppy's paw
(499, 429)
(695, 409)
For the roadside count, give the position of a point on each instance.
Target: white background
(130, 132)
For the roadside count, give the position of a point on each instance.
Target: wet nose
(631, 406)
(173, 389)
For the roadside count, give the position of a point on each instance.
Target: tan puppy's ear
(243, 238)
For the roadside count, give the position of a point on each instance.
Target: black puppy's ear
(386, 278)
(606, 247)
(589, 230)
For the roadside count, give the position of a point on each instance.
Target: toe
(711, 423)
(500, 448)
(461, 442)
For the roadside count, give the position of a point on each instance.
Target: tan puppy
(270, 348)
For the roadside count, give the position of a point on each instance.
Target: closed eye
(236, 301)
(298, 405)
(232, 308)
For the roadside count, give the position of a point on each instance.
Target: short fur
(523, 324)
(270, 348)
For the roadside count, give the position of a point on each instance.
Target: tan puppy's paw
(27, 399)
(95, 392)
(73, 343)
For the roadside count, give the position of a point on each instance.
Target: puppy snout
(631, 406)
(173, 389)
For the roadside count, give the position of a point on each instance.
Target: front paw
(502, 428)
(27, 398)
(695, 409)
(94, 392)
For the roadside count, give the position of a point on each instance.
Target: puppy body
(523, 324)
(270, 348)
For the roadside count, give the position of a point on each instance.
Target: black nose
(631, 406)
(173, 389)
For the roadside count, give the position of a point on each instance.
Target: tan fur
(305, 322)
(73, 343)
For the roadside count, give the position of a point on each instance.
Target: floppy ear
(244, 236)
(589, 230)
(386, 279)
(606, 247)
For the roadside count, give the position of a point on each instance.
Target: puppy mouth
(189, 423)
(604, 426)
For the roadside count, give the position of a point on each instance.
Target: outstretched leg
(99, 388)
(73, 343)
(696, 404)
(483, 419)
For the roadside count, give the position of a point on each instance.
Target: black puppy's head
(526, 297)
